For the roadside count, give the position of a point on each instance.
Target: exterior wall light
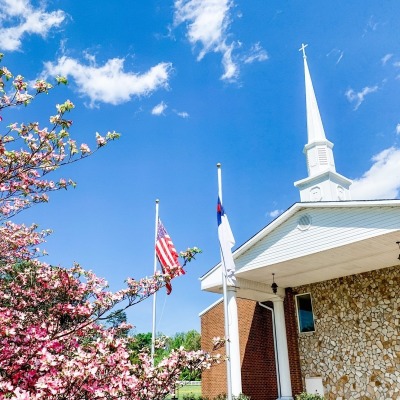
(398, 244)
(274, 286)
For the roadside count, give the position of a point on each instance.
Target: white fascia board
(211, 306)
(351, 204)
(309, 179)
(317, 143)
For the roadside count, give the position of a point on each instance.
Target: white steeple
(323, 182)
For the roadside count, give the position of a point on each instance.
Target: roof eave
(343, 179)
(293, 210)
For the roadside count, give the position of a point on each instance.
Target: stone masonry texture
(355, 348)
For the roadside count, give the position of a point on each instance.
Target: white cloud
(396, 64)
(159, 109)
(382, 180)
(398, 129)
(386, 58)
(340, 57)
(19, 17)
(208, 22)
(371, 26)
(230, 67)
(337, 53)
(91, 58)
(275, 213)
(182, 114)
(257, 53)
(109, 83)
(359, 97)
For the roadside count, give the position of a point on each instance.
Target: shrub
(309, 396)
(223, 396)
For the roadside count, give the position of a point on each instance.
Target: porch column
(282, 350)
(236, 370)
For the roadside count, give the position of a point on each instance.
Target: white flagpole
(153, 332)
(226, 313)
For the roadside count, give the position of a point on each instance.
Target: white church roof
(312, 242)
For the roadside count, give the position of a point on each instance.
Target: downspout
(275, 347)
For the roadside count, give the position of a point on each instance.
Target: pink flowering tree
(53, 340)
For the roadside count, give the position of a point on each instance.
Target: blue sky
(190, 83)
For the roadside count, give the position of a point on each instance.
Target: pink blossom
(84, 148)
(53, 344)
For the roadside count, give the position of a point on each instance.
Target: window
(305, 315)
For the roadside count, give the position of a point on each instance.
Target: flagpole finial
(157, 201)
(218, 165)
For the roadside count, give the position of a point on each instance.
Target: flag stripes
(167, 256)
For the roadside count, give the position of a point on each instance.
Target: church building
(315, 305)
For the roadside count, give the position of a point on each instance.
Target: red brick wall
(258, 358)
(256, 351)
(292, 339)
(213, 381)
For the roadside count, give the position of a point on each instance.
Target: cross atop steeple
(303, 49)
(323, 182)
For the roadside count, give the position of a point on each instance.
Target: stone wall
(356, 344)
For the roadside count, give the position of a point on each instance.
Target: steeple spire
(323, 182)
(315, 128)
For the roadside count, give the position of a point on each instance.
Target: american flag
(167, 256)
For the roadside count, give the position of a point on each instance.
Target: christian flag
(226, 242)
(167, 256)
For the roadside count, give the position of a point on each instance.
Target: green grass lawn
(185, 390)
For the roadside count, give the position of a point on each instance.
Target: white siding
(212, 280)
(330, 228)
